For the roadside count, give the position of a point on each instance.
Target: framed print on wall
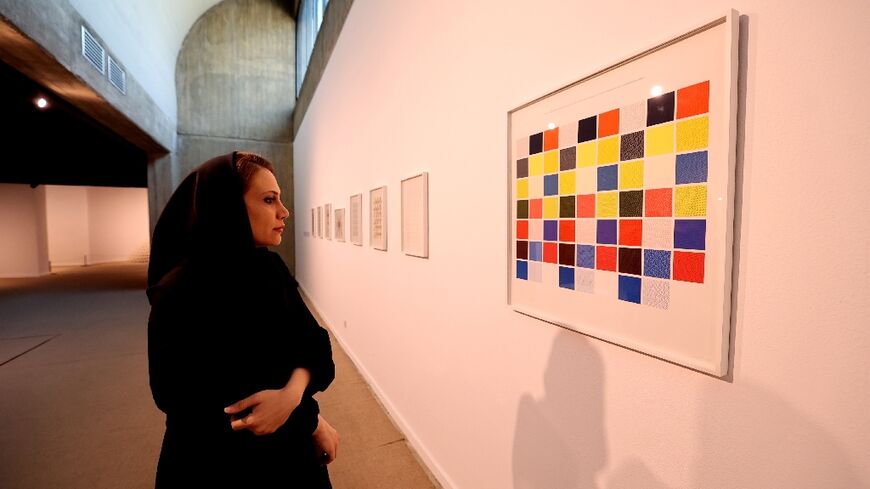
(415, 215)
(312, 223)
(378, 218)
(622, 199)
(356, 219)
(339, 225)
(320, 222)
(327, 221)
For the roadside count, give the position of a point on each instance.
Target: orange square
(605, 258)
(551, 252)
(630, 232)
(689, 267)
(658, 202)
(608, 123)
(693, 100)
(586, 205)
(522, 229)
(566, 230)
(536, 208)
(551, 139)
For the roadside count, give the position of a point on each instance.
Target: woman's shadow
(559, 438)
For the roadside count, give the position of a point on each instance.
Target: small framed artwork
(327, 223)
(313, 223)
(621, 200)
(415, 215)
(339, 225)
(356, 219)
(320, 222)
(378, 218)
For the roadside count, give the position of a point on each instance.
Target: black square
(630, 260)
(567, 206)
(631, 147)
(523, 250)
(566, 254)
(523, 168)
(631, 203)
(568, 158)
(522, 209)
(536, 143)
(587, 129)
(660, 109)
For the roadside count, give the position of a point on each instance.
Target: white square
(658, 233)
(536, 187)
(567, 135)
(586, 228)
(655, 293)
(632, 118)
(535, 272)
(587, 180)
(659, 171)
(536, 230)
(584, 280)
(522, 148)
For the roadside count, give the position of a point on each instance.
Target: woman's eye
(269, 200)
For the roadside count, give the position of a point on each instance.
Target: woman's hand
(325, 441)
(269, 410)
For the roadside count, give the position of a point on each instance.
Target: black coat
(227, 322)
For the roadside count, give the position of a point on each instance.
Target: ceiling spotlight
(41, 103)
(551, 125)
(656, 91)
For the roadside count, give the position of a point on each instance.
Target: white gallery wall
(23, 237)
(118, 223)
(68, 228)
(493, 399)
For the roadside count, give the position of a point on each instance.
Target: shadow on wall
(559, 438)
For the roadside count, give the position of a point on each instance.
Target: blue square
(690, 234)
(629, 289)
(657, 263)
(536, 251)
(566, 277)
(551, 230)
(606, 231)
(586, 256)
(551, 184)
(692, 167)
(522, 269)
(608, 177)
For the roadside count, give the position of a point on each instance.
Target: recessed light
(41, 103)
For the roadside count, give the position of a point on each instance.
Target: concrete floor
(75, 404)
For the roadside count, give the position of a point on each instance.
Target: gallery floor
(76, 404)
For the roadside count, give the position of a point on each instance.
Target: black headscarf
(205, 221)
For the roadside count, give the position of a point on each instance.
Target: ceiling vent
(117, 76)
(93, 51)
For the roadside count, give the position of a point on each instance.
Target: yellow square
(692, 134)
(607, 204)
(536, 165)
(567, 183)
(551, 207)
(659, 139)
(608, 150)
(551, 162)
(523, 188)
(586, 154)
(631, 175)
(690, 200)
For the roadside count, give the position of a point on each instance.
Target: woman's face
(265, 210)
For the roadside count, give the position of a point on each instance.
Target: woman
(234, 354)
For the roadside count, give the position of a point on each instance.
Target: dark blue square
(608, 177)
(551, 184)
(606, 231)
(566, 277)
(629, 289)
(522, 269)
(657, 263)
(692, 167)
(690, 234)
(536, 251)
(586, 256)
(551, 230)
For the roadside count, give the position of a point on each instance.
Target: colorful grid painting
(628, 196)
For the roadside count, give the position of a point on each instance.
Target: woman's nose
(284, 212)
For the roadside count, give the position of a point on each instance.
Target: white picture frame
(320, 222)
(339, 225)
(378, 218)
(327, 221)
(415, 215)
(356, 226)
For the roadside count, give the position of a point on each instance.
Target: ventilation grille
(117, 76)
(93, 51)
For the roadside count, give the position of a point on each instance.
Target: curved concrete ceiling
(145, 37)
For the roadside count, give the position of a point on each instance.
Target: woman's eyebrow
(272, 192)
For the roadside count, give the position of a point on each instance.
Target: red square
(522, 229)
(536, 208)
(689, 267)
(630, 232)
(693, 100)
(551, 252)
(605, 258)
(586, 205)
(608, 123)
(566, 230)
(658, 202)
(551, 139)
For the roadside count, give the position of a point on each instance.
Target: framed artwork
(327, 224)
(622, 200)
(415, 215)
(356, 219)
(313, 229)
(320, 222)
(378, 218)
(339, 225)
